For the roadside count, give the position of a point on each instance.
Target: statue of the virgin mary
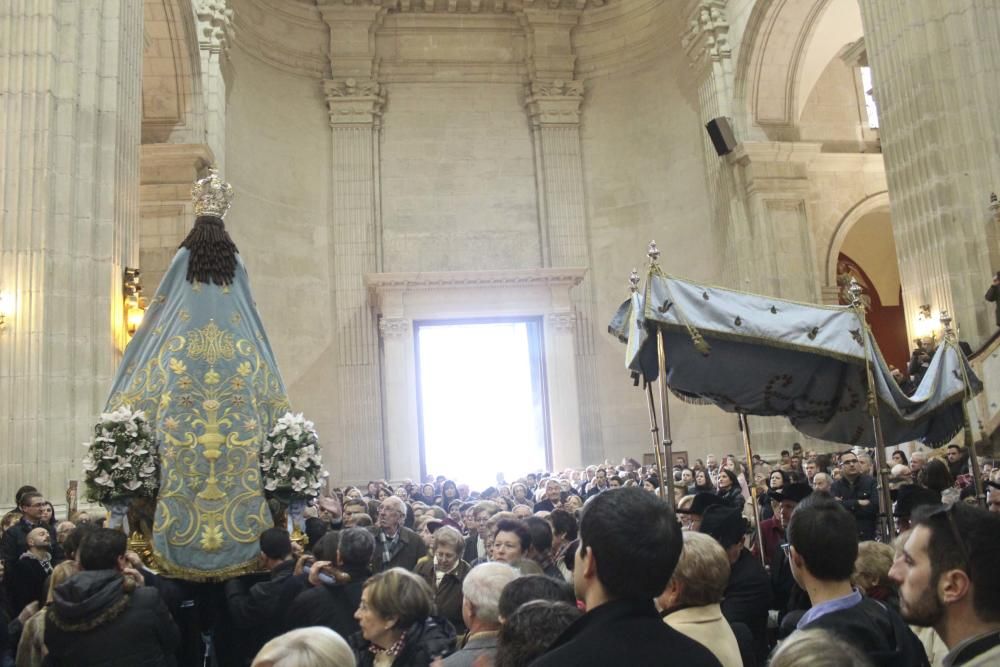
(201, 368)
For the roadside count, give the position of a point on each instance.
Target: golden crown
(211, 195)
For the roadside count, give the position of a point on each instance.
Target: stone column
(70, 105)
(706, 42)
(554, 109)
(355, 111)
(214, 23)
(935, 67)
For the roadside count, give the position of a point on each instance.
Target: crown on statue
(211, 195)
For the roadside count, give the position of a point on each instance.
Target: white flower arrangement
(290, 463)
(121, 460)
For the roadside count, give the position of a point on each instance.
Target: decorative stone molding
(562, 321)
(554, 103)
(706, 38)
(393, 327)
(215, 22)
(470, 6)
(501, 278)
(289, 36)
(354, 102)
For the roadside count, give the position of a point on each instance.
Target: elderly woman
(397, 628)
(445, 573)
(306, 647)
(691, 600)
(871, 572)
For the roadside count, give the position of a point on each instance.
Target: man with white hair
(822, 482)
(917, 461)
(481, 591)
(395, 544)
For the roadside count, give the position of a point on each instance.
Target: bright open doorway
(482, 409)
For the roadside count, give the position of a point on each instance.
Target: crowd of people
(582, 567)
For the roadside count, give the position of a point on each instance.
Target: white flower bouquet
(290, 462)
(121, 460)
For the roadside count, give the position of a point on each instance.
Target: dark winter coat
(448, 594)
(97, 619)
(329, 605)
(425, 640)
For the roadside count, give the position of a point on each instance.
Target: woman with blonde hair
(871, 572)
(306, 647)
(397, 623)
(31, 648)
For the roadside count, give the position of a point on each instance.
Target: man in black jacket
(858, 494)
(824, 546)
(630, 542)
(105, 616)
(333, 603)
(256, 612)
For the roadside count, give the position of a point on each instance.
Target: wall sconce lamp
(5, 308)
(135, 304)
(926, 326)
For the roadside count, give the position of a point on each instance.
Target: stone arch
(172, 103)
(875, 202)
(771, 50)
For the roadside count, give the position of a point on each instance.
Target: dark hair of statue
(212, 252)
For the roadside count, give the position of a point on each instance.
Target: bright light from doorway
(481, 400)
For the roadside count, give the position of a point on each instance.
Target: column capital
(706, 38)
(393, 327)
(215, 20)
(554, 102)
(354, 101)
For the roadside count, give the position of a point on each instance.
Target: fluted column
(935, 67)
(70, 115)
(355, 112)
(554, 110)
(214, 24)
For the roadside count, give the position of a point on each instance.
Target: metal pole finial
(854, 290)
(633, 281)
(946, 321)
(653, 253)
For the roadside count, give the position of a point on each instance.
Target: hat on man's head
(725, 524)
(911, 496)
(434, 524)
(796, 492)
(702, 501)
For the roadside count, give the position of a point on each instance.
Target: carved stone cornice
(393, 327)
(215, 21)
(502, 278)
(354, 101)
(706, 39)
(468, 6)
(552, 103)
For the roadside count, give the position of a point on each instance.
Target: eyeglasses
(949, 512)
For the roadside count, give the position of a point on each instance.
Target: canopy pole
(667, 480)
(668, 451)
(654, 431)
(748, 451)
(970, 441)
(885, 500)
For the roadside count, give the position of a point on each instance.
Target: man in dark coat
(993, 296)
(747, 597)
(105, 616)
(858, 493)
(395, 544)
(333, 603)
(630, 542)
(824, 547)
(15, 539)
(256, 612)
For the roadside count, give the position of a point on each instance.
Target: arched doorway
(867, 253)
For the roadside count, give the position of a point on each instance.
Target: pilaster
(355, 100)
(69, 179)
(214, 18)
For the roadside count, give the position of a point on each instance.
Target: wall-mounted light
(5, 310)
(926, 326)
(135, 305)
